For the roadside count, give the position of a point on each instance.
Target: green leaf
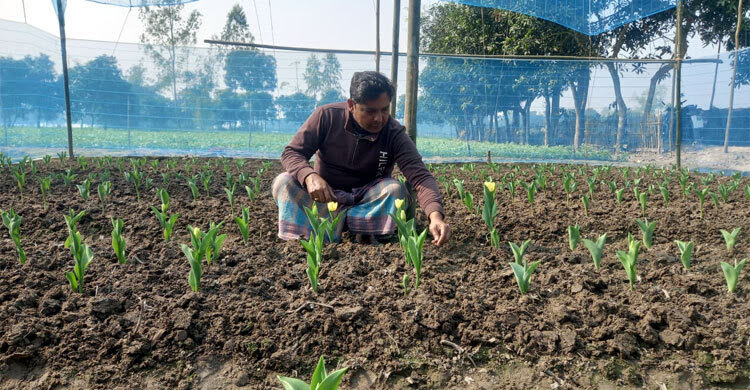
(331, 382)
(293, 383)
(319, 374)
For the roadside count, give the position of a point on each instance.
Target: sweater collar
(351, 126)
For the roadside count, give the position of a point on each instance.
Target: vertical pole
(734, 75)
(377, 35)
(678, 86)
(394, 53)
(66, 81)
(412, 70)
(128, 124)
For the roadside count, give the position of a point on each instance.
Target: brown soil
(139, 326)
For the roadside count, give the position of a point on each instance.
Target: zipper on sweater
(356, 146)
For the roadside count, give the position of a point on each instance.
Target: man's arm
(428, 194)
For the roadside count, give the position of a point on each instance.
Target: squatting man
(356, 144)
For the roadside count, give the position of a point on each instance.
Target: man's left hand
(441, 231)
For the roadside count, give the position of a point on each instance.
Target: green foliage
(136, 177)
(648, 231)
(618, 195)
(664, 194)
(585, 201)
(84, 189)
(321, 380)
(686, 252)
(20, 174)
(243, 224)
(206, 178)
(591, 182)
(167, 222)
(732, 273)
(45, 184)
(195, 258)
(530, 192)
(730, 238)
(83, 162)
(230, 196)
(569, 185)
(519, 251)
(596, 248)
(523, 274)
(118, 241)
(574, 236)
(314, 248)
(47, 160)
(193, 188)
(104, 190)
(630, 259)
(82, 253)
(12, 222)
(701, 199)
(490, 211)
(412, 244)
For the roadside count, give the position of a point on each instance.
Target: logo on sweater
(382, 162)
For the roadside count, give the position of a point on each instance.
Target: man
(356, 144)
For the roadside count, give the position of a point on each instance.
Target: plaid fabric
(369, 216)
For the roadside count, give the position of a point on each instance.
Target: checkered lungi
(369, 213)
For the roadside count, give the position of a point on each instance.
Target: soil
(138, 325)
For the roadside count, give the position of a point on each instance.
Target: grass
(215, 142)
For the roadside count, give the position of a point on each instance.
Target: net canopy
(223, 102)
(590, 17)
(141, 3)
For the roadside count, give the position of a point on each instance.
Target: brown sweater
(348, 157)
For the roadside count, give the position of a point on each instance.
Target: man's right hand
(319, 189)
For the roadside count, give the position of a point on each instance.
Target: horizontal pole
(505, 57)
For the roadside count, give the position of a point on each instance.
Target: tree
(165, 31)
(313, 76)
(99, 92)
(236, 28)
(250, 70)
(331, 96)
(331, 73)
(296, 107)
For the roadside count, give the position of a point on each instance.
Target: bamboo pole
(66, 81)
(412, 70)
(377, 35)
(678, 86)
(734, 75)
(394, 53)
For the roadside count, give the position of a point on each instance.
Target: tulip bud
(490, 185)
(332, 206)
(399, 203)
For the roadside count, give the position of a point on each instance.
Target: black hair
(370, 85)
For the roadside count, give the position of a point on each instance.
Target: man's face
(373, 114)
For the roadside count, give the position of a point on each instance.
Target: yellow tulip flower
(332, 206)
(399, 203)
(490, 185)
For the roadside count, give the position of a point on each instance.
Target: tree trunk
(655, 79)
(734, 75)
(622, 109)
(716, 74)
(580, 93)
(526, 119)
(507, 126)
(555, 115)
(547, 117)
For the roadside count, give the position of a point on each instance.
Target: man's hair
(369, 85)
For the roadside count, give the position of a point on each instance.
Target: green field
(19, 141)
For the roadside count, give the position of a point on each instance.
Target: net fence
(126, 99)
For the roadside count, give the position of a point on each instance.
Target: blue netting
(590, 17)
(141, 3)
(251, 102)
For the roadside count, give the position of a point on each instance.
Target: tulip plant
(82, 253)
(630, 259)
(618, 195)
(574, 236)
(732, 273)
(730, 238)
(321, 380)
(530, 192)
(412, 244)
(490, 212)
(104, 189)
(648, 231)
(522, 270)
(136, 177)
(45, 184)
(686, 252)
(585, 200)
(701, 199)
(596, 248)
(84, 189)
(195, 258)
(167, 222)
(243, 224)
(230, 196)
(12, 222)
(118, 241)
(322, 228)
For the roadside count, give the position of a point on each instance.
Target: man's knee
(282, 182)
(394, 188)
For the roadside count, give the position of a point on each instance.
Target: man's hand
(319, 189)
(441, 231)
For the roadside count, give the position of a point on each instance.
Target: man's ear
(350, 103)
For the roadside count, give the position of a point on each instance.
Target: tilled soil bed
(139, 325)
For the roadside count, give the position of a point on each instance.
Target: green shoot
(243, 223)
(585, 201)
(574, 236)
(570, 186)
(490, 211)
(82, 253)
(523, 274)
(612, 186)
(724, 191)
(596, 248)
(642, 199)
(530, 192)
(732, 274)
(193, 188)
(405, 283)
(664, 194)
(730, 238)
(747, 191)
(469, 200)
(250, 193)
(47, 160)
(68, 177)
(519, 252)
(195, 258)
(167, 222)
(591, 182)
(84, 189)
(648, 231)
(314, 248)
(324, 226)
(104, 190)
(118, 241)
(256, 184)
(320, 379)
(206, 178)
(686, 252)
(214, 242)
(630, 259)
(137, 178)
(714, 198)
(618, 195)
(512, 188)
(165, 176)
(20, 174)
(82, 162)
(44, 184)
(12, 222)
(61, 156)
(701, 199)
(684, 184)
(230, 196)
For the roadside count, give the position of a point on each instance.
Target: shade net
(217, 101)
(590, 17)
(142, 3)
